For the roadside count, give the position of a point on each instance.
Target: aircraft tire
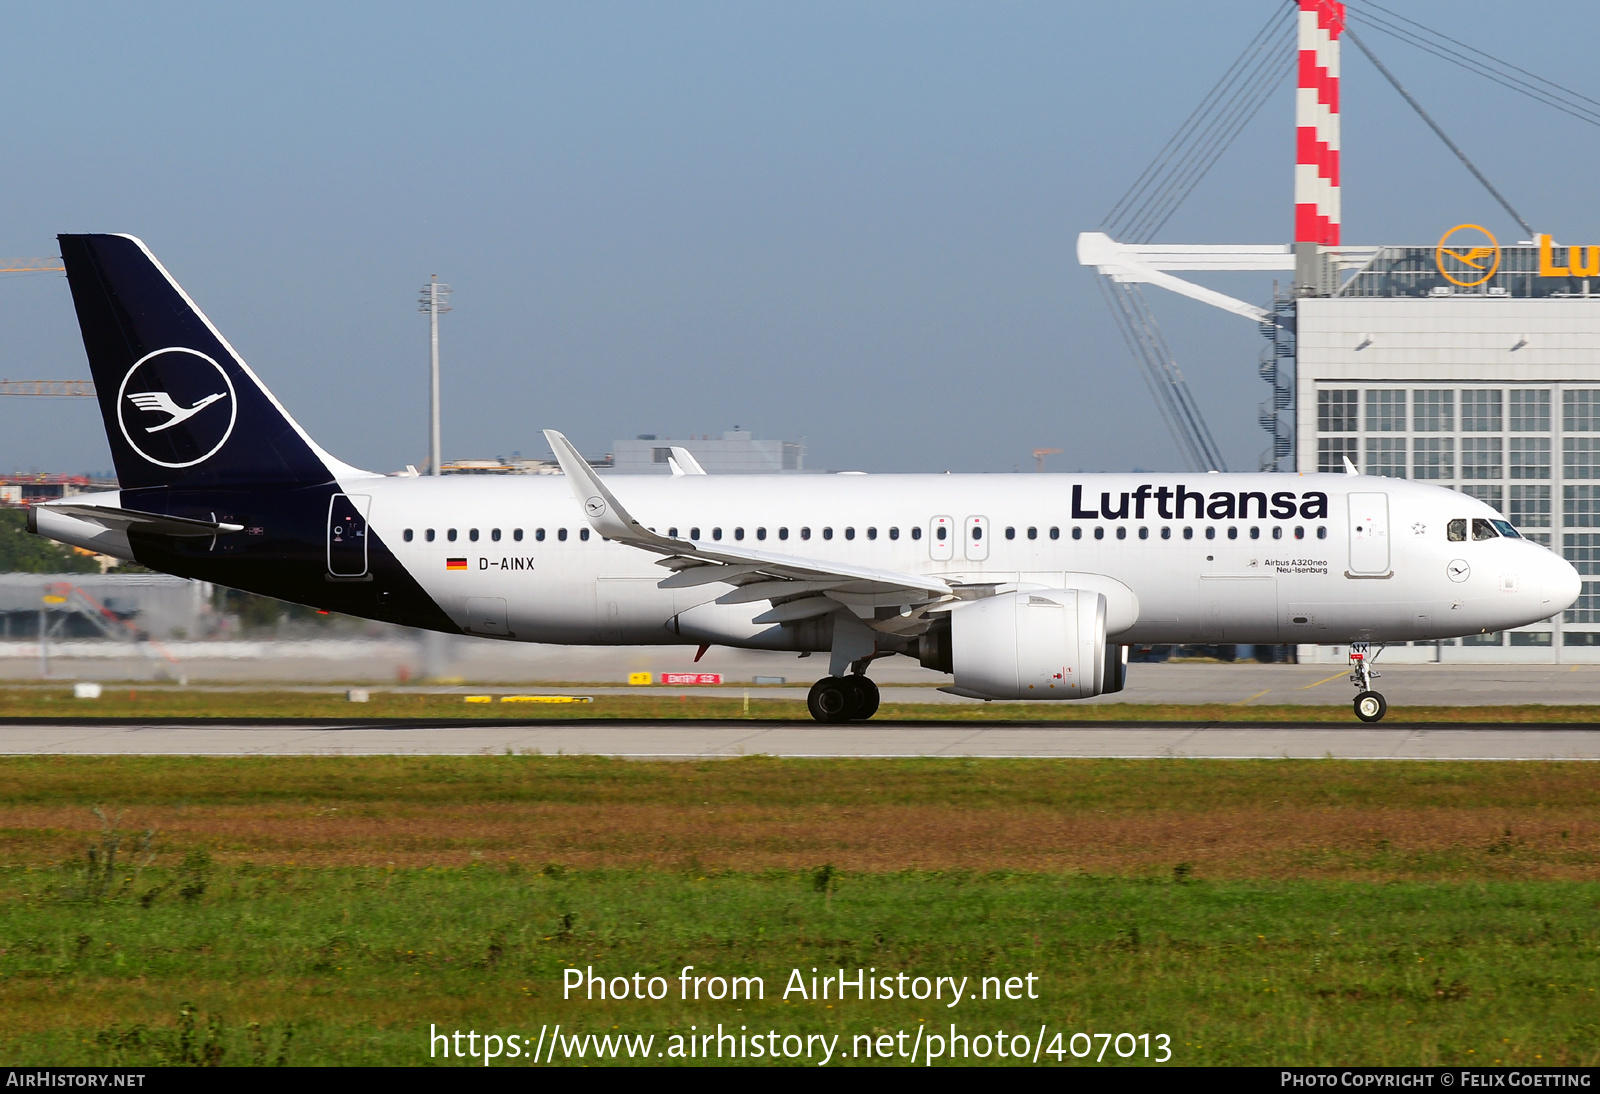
(831, 700)
(867, 699)
(1370, 706)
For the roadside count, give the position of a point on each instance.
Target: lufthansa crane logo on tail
(176, 407)
(1468, 255)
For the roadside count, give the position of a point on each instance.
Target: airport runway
(726, 739)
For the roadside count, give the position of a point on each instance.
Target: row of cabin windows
(805, 533)
(940, 533)
(450, 534)
(1210, 532)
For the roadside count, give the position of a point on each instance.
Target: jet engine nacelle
(1039, 644)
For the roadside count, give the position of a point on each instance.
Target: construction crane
(1038, 457)
(46, 387)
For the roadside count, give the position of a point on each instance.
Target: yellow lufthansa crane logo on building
(1469, 258)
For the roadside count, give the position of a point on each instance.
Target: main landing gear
(850, 698)
(1370, 706)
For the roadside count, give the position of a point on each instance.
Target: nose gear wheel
(1369, 705)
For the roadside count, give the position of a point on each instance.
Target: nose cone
(1562, 583)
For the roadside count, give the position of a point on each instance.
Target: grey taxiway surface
(724, 739)
(1233, 685)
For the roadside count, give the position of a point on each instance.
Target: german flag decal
(455, 564)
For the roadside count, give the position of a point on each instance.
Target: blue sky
(849, 222)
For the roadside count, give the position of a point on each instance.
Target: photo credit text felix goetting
(930, 1040)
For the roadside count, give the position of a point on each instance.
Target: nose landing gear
(1369, 705)
(836, 699)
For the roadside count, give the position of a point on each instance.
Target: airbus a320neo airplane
(1021, 586)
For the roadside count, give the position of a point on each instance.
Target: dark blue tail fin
(181, 409)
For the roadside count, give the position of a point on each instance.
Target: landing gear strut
(843, 699)
(1369, 705)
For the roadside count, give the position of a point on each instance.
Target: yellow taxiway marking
(1257, 695)
(1319, 683)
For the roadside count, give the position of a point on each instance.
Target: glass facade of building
(1531, 451)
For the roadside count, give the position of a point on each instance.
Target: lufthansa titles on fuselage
(1175, 503)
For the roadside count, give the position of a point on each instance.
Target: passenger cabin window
(783, 533)
(941, 533)
(1322, 531)
(1277, 532)
(583, 534)
(1188, 533)
(761, 533)
(1055, 533)
(1122, 533)
(561, 534)
(1033, 533)
(827, 533)
(805, 533)
(1099, 532)
(428, 535)
(538, 534)
(977, 532)
(738, 533)
(495, 535)
(1011, 533)
(672, 533)
(894, 533)
(408, 535)
(1166, 533)
(872, 533)
(916, 533)
(472, 534)
(517, 535)
(694, 533)
(716, 533)
(1483, 529)
(1144, 533)
(450, 535)
(1077, 533)
(849, 533)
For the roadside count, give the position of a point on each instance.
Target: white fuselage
(1376, 564)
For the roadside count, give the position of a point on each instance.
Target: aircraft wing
(131, 520)
(799, 587)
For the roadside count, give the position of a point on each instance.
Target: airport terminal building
(1410, 370)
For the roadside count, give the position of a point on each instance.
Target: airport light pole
(432, 302)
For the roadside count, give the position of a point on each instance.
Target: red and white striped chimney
(1316, 119)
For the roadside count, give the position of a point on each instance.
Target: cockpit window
(1483, 529)
(1456, 530)
(1505, 529)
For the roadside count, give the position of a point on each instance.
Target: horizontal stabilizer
(131, 520)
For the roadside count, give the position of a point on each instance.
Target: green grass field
(330, 910)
